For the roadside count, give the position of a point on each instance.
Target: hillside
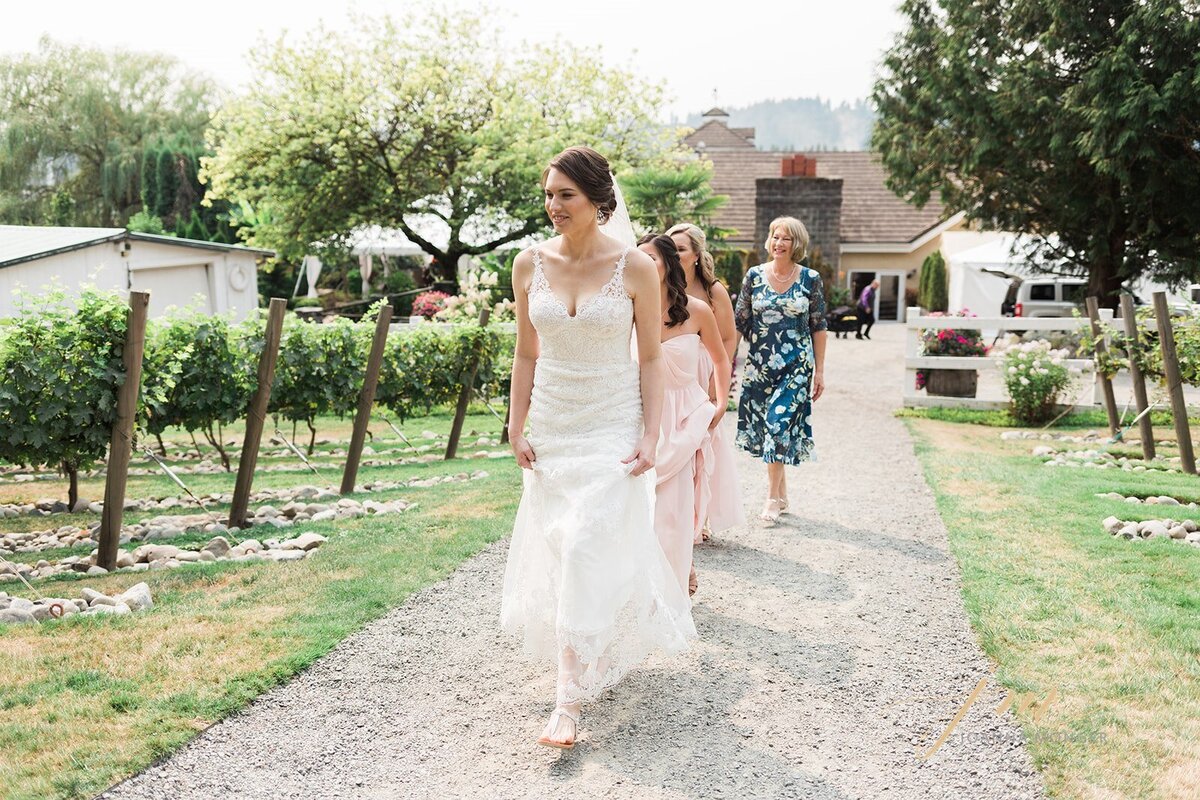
(803, 123)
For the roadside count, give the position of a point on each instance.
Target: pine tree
(1073, 123)
(168, 185)
(937, 289)
(923, 283)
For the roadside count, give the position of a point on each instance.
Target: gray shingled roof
(871, 212)
(19, 243)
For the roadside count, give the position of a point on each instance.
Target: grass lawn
(86, 702)
(1058, 604)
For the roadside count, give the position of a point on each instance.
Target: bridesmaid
(689, 329)
(725, 504)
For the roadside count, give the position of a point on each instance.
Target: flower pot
(951, 382)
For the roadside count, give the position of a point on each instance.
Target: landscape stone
(137, 597)
(17, 616)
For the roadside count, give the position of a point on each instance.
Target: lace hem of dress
(607, 657)
(797, 452)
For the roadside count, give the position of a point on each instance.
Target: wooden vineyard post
(366, 399)
(1145, 429)
(464, 397)
(1166, 338)
(120, 446)
(1110, 400)
(257, 414)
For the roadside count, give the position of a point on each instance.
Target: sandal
(693, 584)
(555, 718)
(772, 509)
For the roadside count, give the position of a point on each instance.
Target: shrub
(950, 342)
(1035, 376)
(427, 304)
(60, 372)
(933, 278)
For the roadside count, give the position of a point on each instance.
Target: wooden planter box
(951, 382)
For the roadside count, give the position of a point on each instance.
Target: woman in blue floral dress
(781, 313)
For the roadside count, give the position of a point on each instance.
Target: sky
(744, 51)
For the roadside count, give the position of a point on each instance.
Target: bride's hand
(522, 450)
(642, 457)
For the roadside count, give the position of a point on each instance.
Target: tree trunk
(215, 441)
(1104, 274)
(162, 448)
(312, 439)
(72, 473)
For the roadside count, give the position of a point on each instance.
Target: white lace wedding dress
(585, 571)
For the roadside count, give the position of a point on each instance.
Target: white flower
(1012, 370)
(1024, 381)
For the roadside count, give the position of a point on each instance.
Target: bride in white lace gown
(587, 584)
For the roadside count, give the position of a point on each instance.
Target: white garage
(216, 278)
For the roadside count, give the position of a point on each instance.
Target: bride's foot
(693, 584)
(562, 728)
(772, 509)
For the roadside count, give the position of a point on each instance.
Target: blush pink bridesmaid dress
(684, 455)
(725, 496)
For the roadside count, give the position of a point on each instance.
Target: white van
(1048, 296)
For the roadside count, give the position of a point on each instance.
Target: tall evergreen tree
(1075, 123)
(79, 119)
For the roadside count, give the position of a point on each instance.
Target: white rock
(16, 616)
(97, 571)
(218, 546)
(1112, 524)
(324, 516)
(1167, 501)
(119, 608)
(1178, 532)
(137, 597)
(1044, 450)
(305, 541)
(1153, 529)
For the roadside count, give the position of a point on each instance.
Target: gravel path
(833, 644)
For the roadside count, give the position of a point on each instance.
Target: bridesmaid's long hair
(706, 271)
(676, 280)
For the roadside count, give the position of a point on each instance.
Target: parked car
(1043, 297)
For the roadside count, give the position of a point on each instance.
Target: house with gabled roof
(861, 228)
(212, 277)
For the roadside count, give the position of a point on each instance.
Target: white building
(217, 278)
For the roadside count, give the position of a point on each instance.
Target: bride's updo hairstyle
(588, 170)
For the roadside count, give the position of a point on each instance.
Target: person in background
(866, 310)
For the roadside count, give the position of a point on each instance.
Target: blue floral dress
(775, 410)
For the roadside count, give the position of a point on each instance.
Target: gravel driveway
(833, 645)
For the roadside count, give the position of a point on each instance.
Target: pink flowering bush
(427, 304)
(950, 342)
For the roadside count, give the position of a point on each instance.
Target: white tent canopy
(973, 259)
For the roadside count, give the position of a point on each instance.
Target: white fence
(913, 360)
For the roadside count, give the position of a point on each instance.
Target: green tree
(1074, 123)
(660, 196)
(77, 119)
(418, 123)
(934, 287)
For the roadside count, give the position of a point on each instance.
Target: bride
(586, 583)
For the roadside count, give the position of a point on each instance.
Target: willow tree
(426, 124)
(74, 123)
(1075, 123)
